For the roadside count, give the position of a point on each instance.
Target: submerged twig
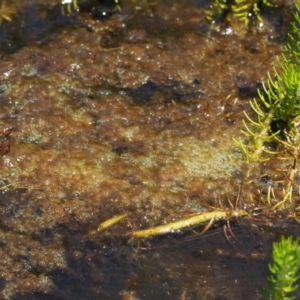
(108, 223)
(189, 222)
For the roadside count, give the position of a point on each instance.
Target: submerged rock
(131, 114)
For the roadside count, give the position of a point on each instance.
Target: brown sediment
(135, 115)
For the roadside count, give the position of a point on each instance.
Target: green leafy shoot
(243, 10)
(278, 107)
(220, 9)
(292, 50)
(284, 270)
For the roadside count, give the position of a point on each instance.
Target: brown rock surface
(135, 114)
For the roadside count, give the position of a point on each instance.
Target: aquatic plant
(278, 108)
(284, 270)
(7, 10)
(276, 126)
(69, 6)
(243, 10)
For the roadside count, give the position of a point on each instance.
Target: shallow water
(185, 266)
(132, 114)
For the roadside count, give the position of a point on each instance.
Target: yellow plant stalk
(7, 10)
(108, 223)
(68, 6)
(192, 221)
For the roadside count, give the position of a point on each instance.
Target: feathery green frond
(243, 10)
(278, 108)
(284, 269)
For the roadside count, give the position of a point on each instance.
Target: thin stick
(108, 223)
(185, 223)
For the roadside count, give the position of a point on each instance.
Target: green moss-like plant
(243, 10)
(284, 270)
(278, 107)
